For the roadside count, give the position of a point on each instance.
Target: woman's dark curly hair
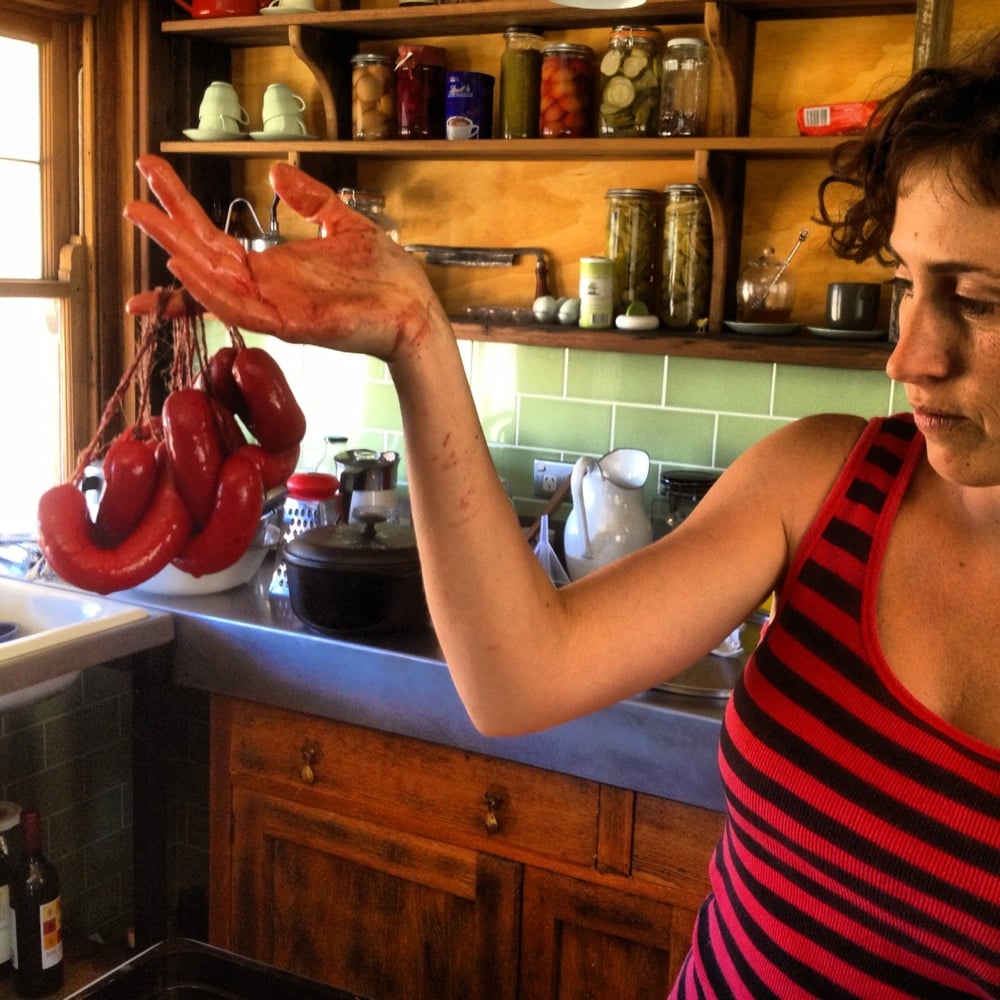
(947, 117)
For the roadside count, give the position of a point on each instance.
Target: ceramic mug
(285, 125)
(218, 123)
(852, 305)
(220, 8)
(280, 99)
(220, 98)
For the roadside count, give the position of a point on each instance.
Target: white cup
(460, 127)
(281, 100)
(219, 123)
(291, 5)
(220, 98)
(285, 125)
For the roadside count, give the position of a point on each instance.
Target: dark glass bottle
(36, 916)
(9, 817)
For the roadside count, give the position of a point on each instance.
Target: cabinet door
(378, 911)
(584, 941)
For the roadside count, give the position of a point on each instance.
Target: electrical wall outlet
(549, 476)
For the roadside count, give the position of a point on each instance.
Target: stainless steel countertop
(246, 643)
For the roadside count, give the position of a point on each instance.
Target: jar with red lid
(566, 91)
(420, 76)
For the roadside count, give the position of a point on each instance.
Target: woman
(861, 752)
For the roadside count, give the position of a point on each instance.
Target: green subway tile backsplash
(678, 436)
(799, 391)
(628, 378)
(583, 428)
(741, 386)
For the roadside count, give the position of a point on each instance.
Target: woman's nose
(924, 348)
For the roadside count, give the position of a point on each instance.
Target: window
(42, 292)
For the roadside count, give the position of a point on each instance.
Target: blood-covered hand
(353, 289)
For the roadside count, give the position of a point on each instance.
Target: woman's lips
(935, 420)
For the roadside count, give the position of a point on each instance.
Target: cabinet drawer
(672, 847)
(449, 794)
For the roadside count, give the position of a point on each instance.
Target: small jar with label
(684, 88)
(566, 101)
(372, 205)
(633, 243)
(373, 96)
(630, 82)
(687, 258)
(597, 282)
(520, 83)
(420, 72)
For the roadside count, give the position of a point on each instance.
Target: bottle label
(50, 929)
(4, 924)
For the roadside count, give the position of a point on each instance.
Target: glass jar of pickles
(371, 204)
(630, 82)
(687, 258)
(633, 244)
(567, 85)
(520, 83)
(373, 94)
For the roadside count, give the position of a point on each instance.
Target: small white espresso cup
(280, 99)
(220, 98)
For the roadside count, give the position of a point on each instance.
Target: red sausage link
(217, 379)
(274, 416)
(66, 539)
(194, 448)
(231, 437)
(130, 475)
(233, 521)
(274, 467)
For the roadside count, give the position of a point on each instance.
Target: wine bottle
(9, 818)
(36, 916)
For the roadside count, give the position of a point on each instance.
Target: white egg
(569, 312)
(544, 308)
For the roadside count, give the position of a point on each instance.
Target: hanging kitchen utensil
(547, 555)
(263, 240)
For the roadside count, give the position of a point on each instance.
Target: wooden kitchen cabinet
(324, 41)
(404, 869)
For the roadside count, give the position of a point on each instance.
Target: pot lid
(372, 545)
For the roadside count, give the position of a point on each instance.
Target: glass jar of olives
(633, 243)
(630, 82)
(520, 83)
(687, 258)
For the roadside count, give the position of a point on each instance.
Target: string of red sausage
(185, 487)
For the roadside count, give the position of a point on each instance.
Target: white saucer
(822, 331)
(213, 135)
(279, 136)
(288, 10)
(637, 322)
(762, 329)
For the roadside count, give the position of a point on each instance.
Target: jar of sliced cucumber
(630, 82)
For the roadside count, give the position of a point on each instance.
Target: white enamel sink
(60, 632)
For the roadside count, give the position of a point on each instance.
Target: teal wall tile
(629, 378)
(381, 407)
(800, 391)
(701, 383)
(583, 428)
(668, 435)
(737, 433)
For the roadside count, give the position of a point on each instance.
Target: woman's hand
(352, 289)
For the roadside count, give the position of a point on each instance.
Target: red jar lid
(312, 486)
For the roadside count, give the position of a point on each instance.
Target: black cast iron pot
(356, 578)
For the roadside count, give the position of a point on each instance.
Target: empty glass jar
(684, 89)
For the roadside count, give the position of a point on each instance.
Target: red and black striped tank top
(861, 856)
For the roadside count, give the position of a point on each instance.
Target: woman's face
(948, 354)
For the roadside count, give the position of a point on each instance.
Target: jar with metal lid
(10, 817)
(633, 243)
(566, 102)
(520, 83)
(630, 73)
(684, 89)
(420, 72)
(372, 205)
(679, 492)
(687, 258)
(373, 96)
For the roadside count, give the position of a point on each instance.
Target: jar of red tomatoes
(567, 91)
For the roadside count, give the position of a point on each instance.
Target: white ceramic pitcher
(608, 519)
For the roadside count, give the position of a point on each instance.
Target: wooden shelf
(517, 149)
(492, 16)
(795, 350)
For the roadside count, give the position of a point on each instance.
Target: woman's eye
(975, 307)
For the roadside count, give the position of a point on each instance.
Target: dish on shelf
(762, 329)
(212, 135)
(645, 323)
(831, 334)
(279, 136)
(289, 9)
(601, 4)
